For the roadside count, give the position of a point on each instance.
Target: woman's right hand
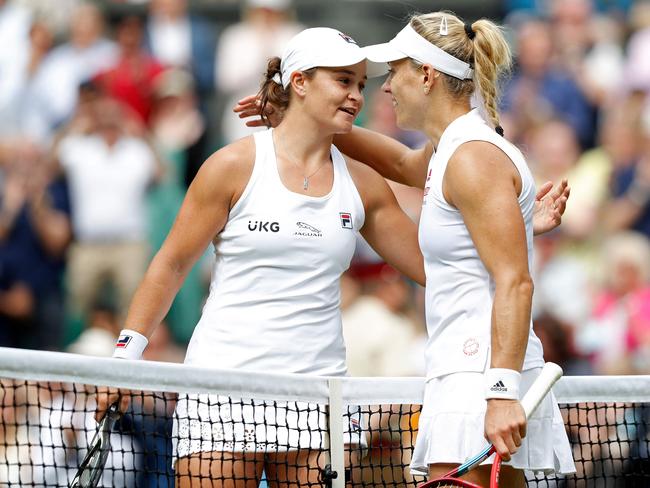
(251, 106)
(107, 396)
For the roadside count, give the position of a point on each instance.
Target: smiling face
(334, 96)
(404, 85)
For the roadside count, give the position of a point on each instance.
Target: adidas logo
(499, 386)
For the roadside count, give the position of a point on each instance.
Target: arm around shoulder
(387, 156)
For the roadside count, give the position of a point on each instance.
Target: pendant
(305, 183)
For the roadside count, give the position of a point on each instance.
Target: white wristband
(502, 383)
(130, 345)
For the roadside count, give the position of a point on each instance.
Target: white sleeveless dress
(274, 306)
(459, 298)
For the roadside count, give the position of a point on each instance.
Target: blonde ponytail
(492, 59)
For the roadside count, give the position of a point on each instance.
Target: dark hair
(272, 92)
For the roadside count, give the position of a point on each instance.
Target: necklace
(305, 179)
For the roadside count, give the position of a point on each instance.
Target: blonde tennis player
(475, 232)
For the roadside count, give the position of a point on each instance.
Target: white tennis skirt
(451, 427)
(205, 423)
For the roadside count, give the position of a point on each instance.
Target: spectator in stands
(132, 79)
(86, 54)
(263, 32)
(183, 41)
(16, 305)
(589, 47)
(109, 171)
(34, 235)
(540, 90)
(617, 336)
(391, 348)
(18, 97)
(629, 205)
(98, 336)
(180, 40)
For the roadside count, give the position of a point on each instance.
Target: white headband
(409, 44)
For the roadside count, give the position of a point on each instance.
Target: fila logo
(347, 38)
(499, 386)
(123, 341)
(258, 225)
(346, 220)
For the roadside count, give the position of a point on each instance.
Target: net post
(336, 442)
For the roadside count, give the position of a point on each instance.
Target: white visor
(326, 48)
(409, 44)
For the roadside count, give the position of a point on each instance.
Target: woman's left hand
(550, 204)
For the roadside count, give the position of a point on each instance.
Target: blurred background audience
(109, 107)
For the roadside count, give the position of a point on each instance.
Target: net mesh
(247, 430)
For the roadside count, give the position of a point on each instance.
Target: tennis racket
(91, 468)
(551, 372)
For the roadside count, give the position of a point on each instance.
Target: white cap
(325, 48)
(409, 44)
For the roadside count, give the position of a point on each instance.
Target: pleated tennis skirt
(205, 423)
(451, 427)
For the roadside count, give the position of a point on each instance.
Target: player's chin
(343, 126)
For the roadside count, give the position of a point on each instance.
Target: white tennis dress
(273, 306)
(459, 298)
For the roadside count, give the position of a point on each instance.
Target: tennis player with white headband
(476, 231)
(283, 209)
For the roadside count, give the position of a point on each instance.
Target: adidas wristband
(130, 345)
(502, 383)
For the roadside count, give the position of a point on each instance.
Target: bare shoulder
(476, 169)
(233, 159)
(228, 169)
(370, 184)
(480, 160)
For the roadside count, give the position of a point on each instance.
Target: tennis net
(250, 429)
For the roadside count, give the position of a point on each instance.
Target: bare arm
(390, 232)
(202, 216)
(486, 196)
(390, 158)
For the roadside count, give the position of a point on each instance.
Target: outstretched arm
(202, 216)
(389, 157)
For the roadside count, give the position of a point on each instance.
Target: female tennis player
(482, 353)
(475, 232)
(282, 209)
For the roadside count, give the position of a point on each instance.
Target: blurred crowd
(106, 115)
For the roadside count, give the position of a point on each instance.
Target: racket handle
(551, 372)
